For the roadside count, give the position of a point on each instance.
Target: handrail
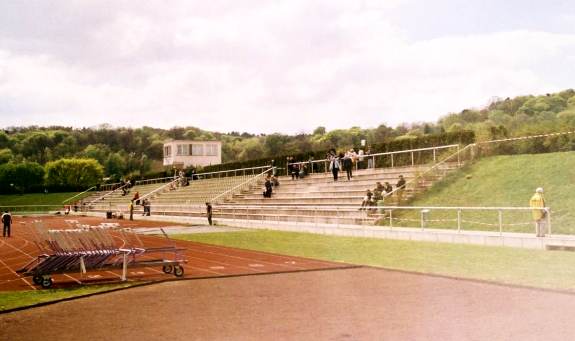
(148, 181)
(140, 182)
(107, 194)
(232, 170)
(382, 154)
(158, 189)
(459, 151)
(240, 185)
(112, 185)
(70, 198)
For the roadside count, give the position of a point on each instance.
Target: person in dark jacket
(7, 222)
(400, 188)
(268, 188)
(334, 166)
(209, 212)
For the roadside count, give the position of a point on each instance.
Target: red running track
(203, 260)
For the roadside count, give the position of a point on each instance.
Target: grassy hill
(506, 181)
(45, 201)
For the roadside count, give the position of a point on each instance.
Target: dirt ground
(348, 304)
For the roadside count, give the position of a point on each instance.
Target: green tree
(98, 152)
(115, 165)
(73, 173)
(319, 131)
(21, 177)
(6, 155)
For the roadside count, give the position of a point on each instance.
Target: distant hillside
(509, 181)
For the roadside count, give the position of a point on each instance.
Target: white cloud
(262, 67)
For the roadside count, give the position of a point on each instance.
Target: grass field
(44, 202)
(16, 299)
(504, 181)
(536, 268)
(35, 198)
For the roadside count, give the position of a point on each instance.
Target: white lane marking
(14, 272)
(217, 267)
(94, 276)
(72, 278)
(256, 265)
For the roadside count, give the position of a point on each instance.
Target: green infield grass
(36, 198)
(16, 299)
(536, 268)
(36, 202)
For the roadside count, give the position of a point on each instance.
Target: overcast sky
(274, 66)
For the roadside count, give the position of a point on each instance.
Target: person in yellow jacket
(537, 202)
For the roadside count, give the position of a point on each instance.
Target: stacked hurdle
(86, 248)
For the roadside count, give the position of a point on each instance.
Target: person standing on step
(7, 222)
(268, 187)
(131, 209)
(348, 164)
(209, 212)
(537, 202)
(334, 166)
(400, 188)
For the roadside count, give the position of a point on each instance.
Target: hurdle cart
(84, 249)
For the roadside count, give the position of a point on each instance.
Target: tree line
(136, 152)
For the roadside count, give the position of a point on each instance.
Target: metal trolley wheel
(167, 269)
(37, 279)
(47, 282)
(178, 271)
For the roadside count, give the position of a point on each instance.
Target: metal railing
(241, 186)
(31, 209)
(109, 187)
(107, 194)
(77, 195)
(160, 189)
(377, 160)
(206, 175)
(497, 220)
(438, 170)
(154, 181)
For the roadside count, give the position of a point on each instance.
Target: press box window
(197, 149)
(212, 149)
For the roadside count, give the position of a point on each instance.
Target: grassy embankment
(503, 181)
(44, 202)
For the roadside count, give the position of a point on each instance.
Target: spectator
(348, 164)
(367, 200)
(295, 171)
(132, 210)
(303, 171)
(136, 198)
(537, 202)
(400, 188)
(334, 166)
(7, 222)
(209, 212)
(146, 204)
(268, 188)
(360, 158)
